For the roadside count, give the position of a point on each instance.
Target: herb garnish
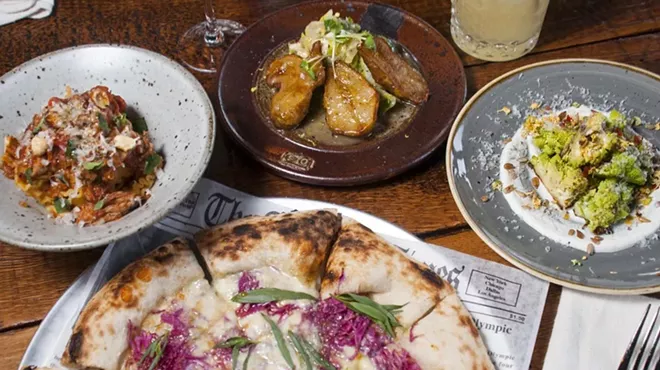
(236, 343)
(155, 351)
(296, 340)
(247, 358)
(39, 125)
(265, 295)
(306, 66)
(382, 315)
(281, 344)
(140, 125)
(369, 41)
(61, 205)
(316, 356)
(103, 123)
(70, 148)
(120, 120)
(99, 204)
(28, 175)
(91, 166)
(153, 161)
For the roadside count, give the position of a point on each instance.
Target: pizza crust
(296, 243)
(100, 335)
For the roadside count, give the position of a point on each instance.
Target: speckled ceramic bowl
(473, 162)
(174, 104)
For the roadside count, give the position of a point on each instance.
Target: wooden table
(419, 201)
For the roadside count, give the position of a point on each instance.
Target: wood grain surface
(420, 201)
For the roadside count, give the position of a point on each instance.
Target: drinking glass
(202, 46)
(497, 30)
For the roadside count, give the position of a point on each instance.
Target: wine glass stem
(213, 35)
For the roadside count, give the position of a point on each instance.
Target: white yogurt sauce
(549, 221)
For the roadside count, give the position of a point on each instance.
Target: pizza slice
(153, 299)
(382, 310)
(268, 270)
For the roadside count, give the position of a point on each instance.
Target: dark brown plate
(340, 161)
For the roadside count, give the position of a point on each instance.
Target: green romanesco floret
(606, 204)
(616, 119)
(564, 182)
(624, 166)
(553, 141)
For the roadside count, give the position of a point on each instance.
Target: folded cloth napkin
(13, 10)
(592, 331)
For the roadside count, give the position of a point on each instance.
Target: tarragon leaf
(297, 342)
(316, 356)
(265, 295)
(281, 344)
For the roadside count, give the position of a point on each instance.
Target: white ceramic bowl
(174, 104)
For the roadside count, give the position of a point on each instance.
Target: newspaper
(506, 304)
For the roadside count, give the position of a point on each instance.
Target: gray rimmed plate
(477, 139)
(174, 104)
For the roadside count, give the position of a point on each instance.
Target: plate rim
(475, 226)
(31, 354)
(341, 181)
(153, 216)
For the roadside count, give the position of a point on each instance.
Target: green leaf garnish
(247, 358)
(369, 41)
(239, 342)
(91, 166)
(40, 125)
(382, 316)
(61, 205)
(28, 175)
(265, 295)
(281, 344)
(70, 148)
(300, 349)
(99, 205)
(235, 351)
(153, 161)
(636, 121)
(236, 343)
(103, 123)
(140, 125)
(155, 351)
(308, 68)
(120, 120)
(316, 356)
(332, 25)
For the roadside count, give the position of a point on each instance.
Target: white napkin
(13, 10)
(592, 331)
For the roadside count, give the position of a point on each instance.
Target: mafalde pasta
(83, 159)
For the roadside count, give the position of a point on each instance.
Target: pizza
(302, 290)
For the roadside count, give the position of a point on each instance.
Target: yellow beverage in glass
(497, 30)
